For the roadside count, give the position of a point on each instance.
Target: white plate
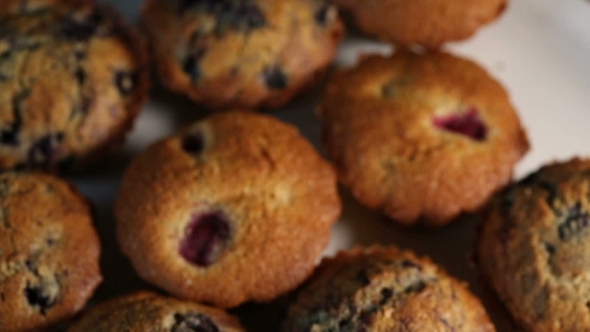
(539, 50)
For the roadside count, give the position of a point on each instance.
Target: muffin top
(235, 208)
(72, 80)
(241, 53)
(49, 252)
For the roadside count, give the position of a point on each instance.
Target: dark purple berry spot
(193, 322)
(275, 78)
(80, 76)
(44, 151)
(575, 222)
(386, 294)
(126, 82)
(194, 143)
(243, 15)
(324, 13)
(191, 68)
(205, 238)
(411, 264)
(42, 297)
(416, 287)
(468, 124)
(9, 136)
(81, 30)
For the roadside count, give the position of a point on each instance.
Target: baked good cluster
(238, 207)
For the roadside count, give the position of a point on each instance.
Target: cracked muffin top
(241, 53)
(384, 289)
(145, 311)
(49, 252)
(235, 208)
(72, 80)
(533, 247)
(423, 137)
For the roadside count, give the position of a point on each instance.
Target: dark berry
(10, 136)
(193, 322)
(322, 15)
(81, 30)
(80, 76)
(192, 68)
(410, 264)
(416, 287)
(248, 17)
(205, 239)
(275, 78)
(575, 222)
(43, 297)
(386, 294)
(126, 82)
(193, 143)
(468, 124)
(44, 151)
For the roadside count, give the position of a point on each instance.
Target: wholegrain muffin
(146, 311)
(421, 137)
(49, 252)
(533, 247)
(72, 80)
(423, 22)
(241, 53)
(384, 289)
(235, 208)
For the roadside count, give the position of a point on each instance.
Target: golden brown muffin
(49, 252)
(534, 247)
(236, 208)
(72, 81)
(429, 23)
(145, 311)
(241, 53)
(422, 137)
(381, 289)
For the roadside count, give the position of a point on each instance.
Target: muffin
(384, 289)
(72, 81)
(146, 311)
(235, 208)
(423, 138)
(422, 22)
(241, 53)
(49, 252)
(532, 247)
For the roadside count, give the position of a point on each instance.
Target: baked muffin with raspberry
(237, 207)
(424, 137)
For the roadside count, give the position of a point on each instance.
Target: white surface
(539, 50)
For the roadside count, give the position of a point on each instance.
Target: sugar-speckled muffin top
(72, 80)
(241, 53)
(384, 290)
(49, 252)
(425, 22)
(145, 311)
(235, 208)
(422, 137)
(534, 247)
